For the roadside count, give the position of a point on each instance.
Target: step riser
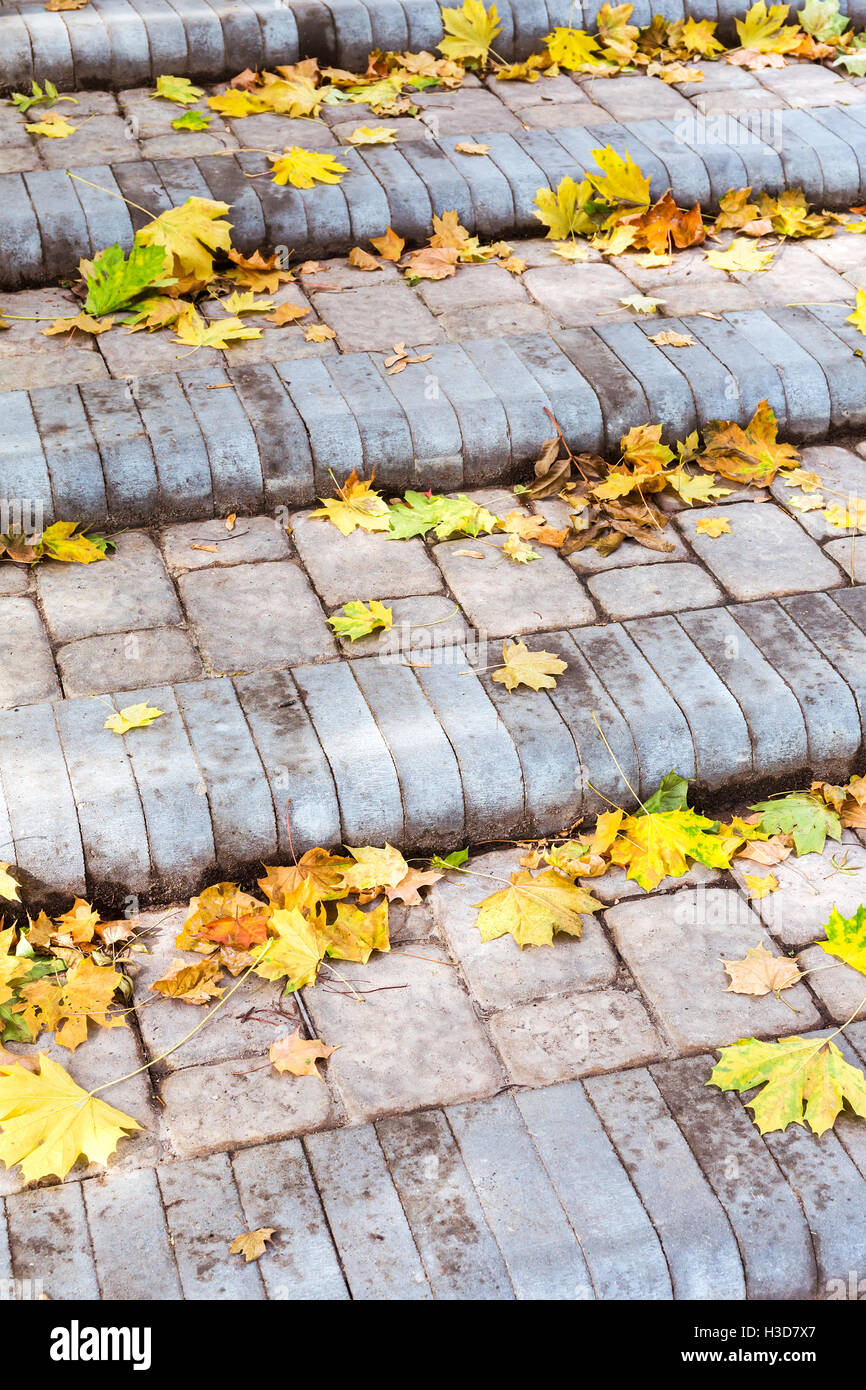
(114, 44)
(50, 221)
(202, 793)
(167, 448)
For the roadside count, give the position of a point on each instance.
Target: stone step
(370, 749)
(51, 220)
(201, 443)
(116, 43)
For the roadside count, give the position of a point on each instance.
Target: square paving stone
(839, 987)
(494, 321)
(809, 888)
(164, 1021)
(377, 316)
(674, 944)
(498, 972)
(251, 617)
(766, 554)
(795, 271)
(416, 1042)
(843, 476)
(14, 579)
(577, 294)
(127, 590)
(127, 661)
(645, 589)
(850, 555)
(43, 369)
(338, 274)
(630, 552)
(364, 565)
(226, 1105)
(574, 1035)
(473, 286)
(422, 627)
(504, 599)
(26, 665)
(253, 538)
(26, 335)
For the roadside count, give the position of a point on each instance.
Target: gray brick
(620, 393)
(377, 1248)
(366, 780)
(687, 173)
(96, 665)
(128, 589)
(131, 486)
(17, 54)
(810, 886)
(490, 190)
(459, 1252)
(725, 169)
(841, 473)
(179, 451)
(542, 594)
(91, 48)
(134, 1259)
(829, 708)
(719, 926)
(805, 386)
(49, 1241)
(172, 795)
(765, 555)
(23, 682)
(230, 440)
(282, 208)
(22, 461)
(745, 1179)
(276, 1189)
(542, 1256)
(697, 1240)
(581, 699)
(237, 614)
(201, 1207)
(408, 200)
(419, 748)
(301, 782)
(51, 49)
(661, 733)
(719, 731)
(105, 212)
(573, 399)
(481, 415)
(575, 295)
(437, 443)
(47, 843)
(332, 429)
(668, 391)
(498, 972)
(166, 37)
(707, 376)
(73, 459)
(61, 221)
(749, 371)
(851, 556)
(572, 1035)
(624, 1257)
(20, 239)
(775, 721)
(116, 851)
(422, 626)
(445, 184)
(839, 169)
(520, 393)
(281, 435)
(385, 434)
(838, 987)
(523, 174)
(253, 538)
(837, 637)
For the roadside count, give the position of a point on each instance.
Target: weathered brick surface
(572, 1035)
(231, 611)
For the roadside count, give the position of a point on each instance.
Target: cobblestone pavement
(494, 1124)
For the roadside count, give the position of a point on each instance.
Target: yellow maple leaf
(573, 50)
(523, 667)
(471, 147)
(713, 526)
(354, 935)
(850, 516)
(47, 1122)
(8, 885)
(357, 506)
(562, 212)
(236, 104)
(619, 181)
(751, 455)
(295, 951)
(317, 876)
(298, 1056)
(805, 1081)
(764, 30)
(177, 89)
(469, 31)
(643, 449)
(390, 246)
(858, 316)
(304, 168)
(699, 36)
(196, 983)
(52, 124)
(319, 333)
(659, 845)
(194, 331)
(373, 135)
(247, 302)
(84, 323)
(742, 254)
(59, 542)
(251, 1244)
(132, 717)
(86, 993)
(759, 885)
(532, 909)
(374, 868)
(191, 234)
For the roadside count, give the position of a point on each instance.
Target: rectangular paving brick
(645, 589)
(134, 1258)
(704, 925)
(766, 554)
(203, 1211)
(24, 682)
(364, 565)
(125, 591)
(572, 1035)
(49, 1241)
(195, 545)
(377, 1249)
(504, 599)
(810, 886)
(97, 665)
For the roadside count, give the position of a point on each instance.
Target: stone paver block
(842, 476)
(460, 1254)
(277, 1190)
(840, 988)
(377, 1250)
(637, 592)
(96, 665)
(630, 552)
(250, 617)
(376, 317)
(693, 930)
(134, 1259)
(26, 665)
(49, 1242)
(503, 599)
(498, 972)
(127, 590)
(364, 565)
(765, 555)
(202, 1209)
(417, 1042)
(850, 556)
(543, 1258)
(14, 579)
(745, 1179)
(422, 626)
(219, 1106)
(572, 1035)
(809, 888)
(576, 294)
(477, 285)
(692, 1225)
(253, 538)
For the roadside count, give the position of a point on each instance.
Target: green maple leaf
(821, 19)
(360, 619)
(807, 817)
(192, 120)
(39, 97)
(113, 282)
(447, 516)
(806, 1081)
(178, 89)
(671, 795)
(846, 938)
